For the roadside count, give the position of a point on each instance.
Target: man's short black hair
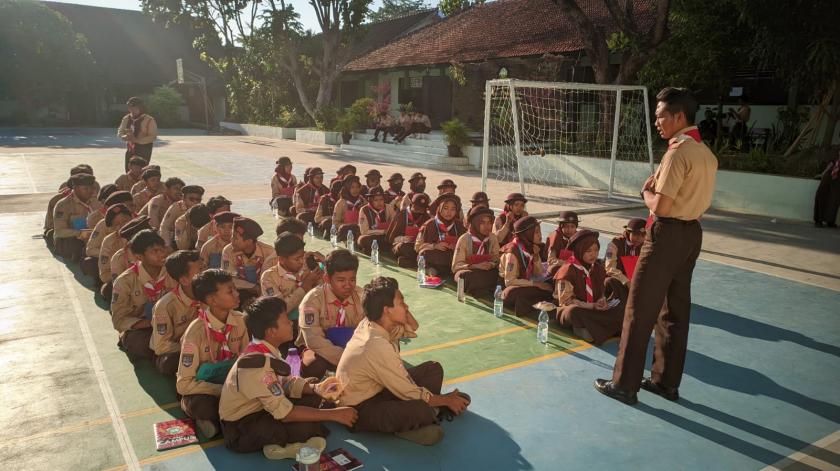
(144, 240)
(178, 262)
(137, 161)
(288, 244)
(290, 224)
(679, 100)
(216, 202)
(379, 293)
(207, 282)
(262, 314)
(341, 260)
(172, 181)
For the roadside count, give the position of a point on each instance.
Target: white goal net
(569, 145)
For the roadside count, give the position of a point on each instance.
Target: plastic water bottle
(333, 236)
(351, 242)
(310, 229)
(374, 252)
(462, 297)
(498, 304)
(421, 269)
(542, 327)
(293, 359)
(308, 459)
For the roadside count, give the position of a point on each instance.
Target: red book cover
(175, 433)
(336, 460)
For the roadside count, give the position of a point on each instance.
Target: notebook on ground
(174, 433)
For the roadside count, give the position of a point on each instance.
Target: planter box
(260, 130)
(324, 138)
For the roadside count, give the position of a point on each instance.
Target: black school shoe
(446, 413)
(609, 389)
(672, 394)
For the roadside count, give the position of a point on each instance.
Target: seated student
(373, 179)
(131, 177)
(141, 185)
(625, 247)
(151, 187)
(209, 347)
(290, 278)
(416, 184)
(246, 258)
(330, 313)
(326, 207)
(136, 291)
(417, 123)
(343, 172)
(188, 224)
(309, 195)
(192, 195)
(211, 252)
(404, 228)
(558, 240)
(70, 230)
(116, 218)
(437, 238)
(479, 199)
(388, 397)
(394, 194)
(101, 230)
(215, 205)
(580, 292)
(283, 185)
(63, 190)
(375, 219)
(448, 187)
(115, 256)
(157, 206)
(385, 125)
(346, 212)
(522, 270)
(476, 257)
(173, 313)
(104, 192)
(513, 211)
(262, 406)
(290, 224)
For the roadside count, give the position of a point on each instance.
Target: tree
(43, 58)
(391, 9)
(451, 7)
(634, 43)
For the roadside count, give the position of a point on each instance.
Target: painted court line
(126, 447)
(187, 450)
(454, 343)
(805, 458)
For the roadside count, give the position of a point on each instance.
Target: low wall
(312, 136)
(260, 130)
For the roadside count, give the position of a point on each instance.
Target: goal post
(573, 146)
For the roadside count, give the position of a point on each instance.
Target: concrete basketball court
(760, 387)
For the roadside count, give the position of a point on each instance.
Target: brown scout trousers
(252, 432)
(167, 364)
(479, 282)
(201, 406)
(136, 342)
(523, 298)
(317, 369)
(664, 271)
(385, 412)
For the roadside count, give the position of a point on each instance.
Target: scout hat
(283, 161)
(192, 189)
(444, 198)
(636, 225)
(118, 197)
(479, 211)
(373, 173)
(106, 191)
(421, 200)
(82, 179)
(479, 197)
(395, 177)
(513, 197)
(416, 176)
(582, 240)
(375, 191)
(347, 169)
(315, 171)
(115, 210)
(247, 228)
(447, 183)
(523, 224)
(198, 215)
(568, 216)
(225, 217)
(150, 173)
(134, 226)
(81, 168)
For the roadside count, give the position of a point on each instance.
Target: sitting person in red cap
(416, 184)
(373, 179)
(580, 292)
(476, 257)
(343, 172)
(283, 185)
(211, 251)
(438, 236)
(346, 213)
(326, 207)
(309, 195)
(621, 257)
(376, 217)
(394, 194)
(404, 228)
(246, 257)
(522, 269)
(513, 211)
(557, 241)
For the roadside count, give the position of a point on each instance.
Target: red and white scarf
(342, 312)
(590, 296)
(443, 229)
(240, 265)
(153, 290)
(220, 336)
(479, 246)
(258, 347)
(193, 303)
(379, 217)
(284, 182)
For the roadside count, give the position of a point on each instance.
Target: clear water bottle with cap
(462, 297)
(498, 303)
(308, 459)
(351, 242)
(421, 269)
(293, 359)
(374, 252)
(542, 327)
(333, 236)
(310, 229)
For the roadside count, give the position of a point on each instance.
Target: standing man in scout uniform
(389, 397)
(174, 312)
(132, 176)
(138, 130)
(70, 233)
(159, 204)
(677, 195)
(192, 196)
(330, 313)
(215, 205)
(209, 347)
(246, 258)
(624, 248)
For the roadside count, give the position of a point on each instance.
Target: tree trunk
(833, 117)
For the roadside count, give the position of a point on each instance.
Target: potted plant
(346, 125)
(456, 136)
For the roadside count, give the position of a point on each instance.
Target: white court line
(805, 458)
(32, 188)
(96, 362)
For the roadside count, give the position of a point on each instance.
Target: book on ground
(174, 433)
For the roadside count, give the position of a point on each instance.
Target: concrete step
(408, 141)
(409, 145)
(430, 136)
(408, 158)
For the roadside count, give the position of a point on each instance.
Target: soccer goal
(576, 146)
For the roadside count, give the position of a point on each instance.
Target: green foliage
(456, 132)
(456, 72)
(451, 7)
(291, 118)
(359, 115)
(164, 104)
(391, 9)
(326, 119)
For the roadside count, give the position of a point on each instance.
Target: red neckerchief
(103, 210)
(443, 229)
(351, 205)
(240, 265)
(525, 257)
(66, 191)
(378, 216)
(479, 246)
(177, 291)
(153, 291)
(284, 182)
(258, 347)
(694, 133)
(220, 336)
(590, 297)
(135, 125)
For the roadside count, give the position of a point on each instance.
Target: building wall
(765, 116)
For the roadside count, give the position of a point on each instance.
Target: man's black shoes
(608, 388)
(672, 394)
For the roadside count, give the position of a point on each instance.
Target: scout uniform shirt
(48, 219)
(326, 207)
(111, 244)
(687, 175)
(374, 222)
(619, 247)
(574, 281)
(515, 273)
(371, 362)
(557, 251)
(282, 186)
(247, 270)
(158, 205)
(204, 343)
(97, 237)
(185, 234)
(435, 230)
(167, 224)
(143, 197)
(138, 187)
(70, 217)
(276, 281)
(320, 310)
(259, 380)
(170, 319)
(95, 216)
(134, 296)
(307, 197)
(204, 234)
(470, 250)
(211, 252)
(126, 182)
(346, 212)
(121, 260)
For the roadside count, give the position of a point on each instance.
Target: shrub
(164, 104)
(455, 132)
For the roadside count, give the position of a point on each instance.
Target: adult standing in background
(827, 198)
(677, 195)
(139, 130)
